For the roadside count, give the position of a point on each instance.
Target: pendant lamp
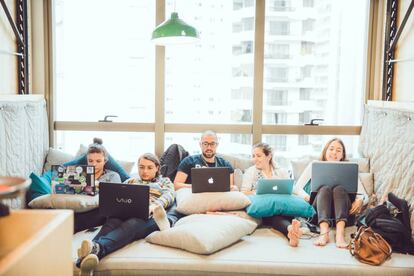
(174, 31)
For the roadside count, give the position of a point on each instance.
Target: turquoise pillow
(307, 187)
(40, 185)
(271, 204)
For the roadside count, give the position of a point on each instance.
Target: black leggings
(278, 222)
(332, 205)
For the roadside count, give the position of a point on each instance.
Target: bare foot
(322, 240)
(294, 233)
(340, 242)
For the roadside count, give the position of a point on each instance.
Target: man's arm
(179, 181)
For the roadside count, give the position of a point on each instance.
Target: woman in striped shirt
(116, 232)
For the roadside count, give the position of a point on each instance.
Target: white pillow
(189, 203)
(367, 180)
(203, 234)
(56, 157)
(77, 203)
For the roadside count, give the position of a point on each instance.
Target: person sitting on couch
(333, 206)
(207, 158)
(97, 156)
(116, 232)
(265, 168)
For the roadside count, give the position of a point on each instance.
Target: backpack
(390, 227)
(170, 160)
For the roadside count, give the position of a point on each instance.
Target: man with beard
(207, 158)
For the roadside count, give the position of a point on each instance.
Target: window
(306, 48)
(278, 142)
(276, 97)
(279, 28)
(277, 74)
(308, 3)
(303, 140)
(248, 24)
(329, 54)
(217, 63)
(308, 25)
(280, 5)
(235, 144)
(304, 94)
(314, 67)
(280, 51)
(104, 67)
(121, 145)
(304, 117)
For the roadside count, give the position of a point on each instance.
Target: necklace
(206, 163)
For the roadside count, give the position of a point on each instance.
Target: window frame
(159, 127)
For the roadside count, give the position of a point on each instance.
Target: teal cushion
(307, 187)
(40, 185)
(271, 204)
(111, 164)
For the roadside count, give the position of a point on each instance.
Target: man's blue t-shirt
(196, 161)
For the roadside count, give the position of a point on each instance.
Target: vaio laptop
(332, 174)
(124, 200)
(210, 180)
(274, 186)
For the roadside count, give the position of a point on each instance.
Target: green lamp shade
(174, 31)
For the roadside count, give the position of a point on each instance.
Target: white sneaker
(88, 265)
(85, 249)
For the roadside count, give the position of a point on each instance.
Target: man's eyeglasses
(206, 144)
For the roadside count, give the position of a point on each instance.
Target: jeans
(332, 204)
(278, 222)
(88, 220)
(117, 233)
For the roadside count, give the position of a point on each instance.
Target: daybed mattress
(263, 252)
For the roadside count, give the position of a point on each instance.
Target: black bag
(391, 227)
(170, 160)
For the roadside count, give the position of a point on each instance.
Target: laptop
(333, 174)
(210, 179)
(124, 200)
(274, 186)
(77, 179)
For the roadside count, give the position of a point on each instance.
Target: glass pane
(211, 81)
(315, 60)
(290, 147)
(104, 60)
(235, 144)
(127, 146)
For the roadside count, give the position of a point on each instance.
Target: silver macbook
(123, 200)
(210, 180)
(274, 186)
(333, 174)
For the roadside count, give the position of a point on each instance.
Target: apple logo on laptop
(210, 180)
(274, 188)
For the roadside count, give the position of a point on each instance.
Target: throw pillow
(271, 204)
(77, 203)
(189, 203)
(40, 186)
(204, 234)
(56, 157)
(367, 180)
